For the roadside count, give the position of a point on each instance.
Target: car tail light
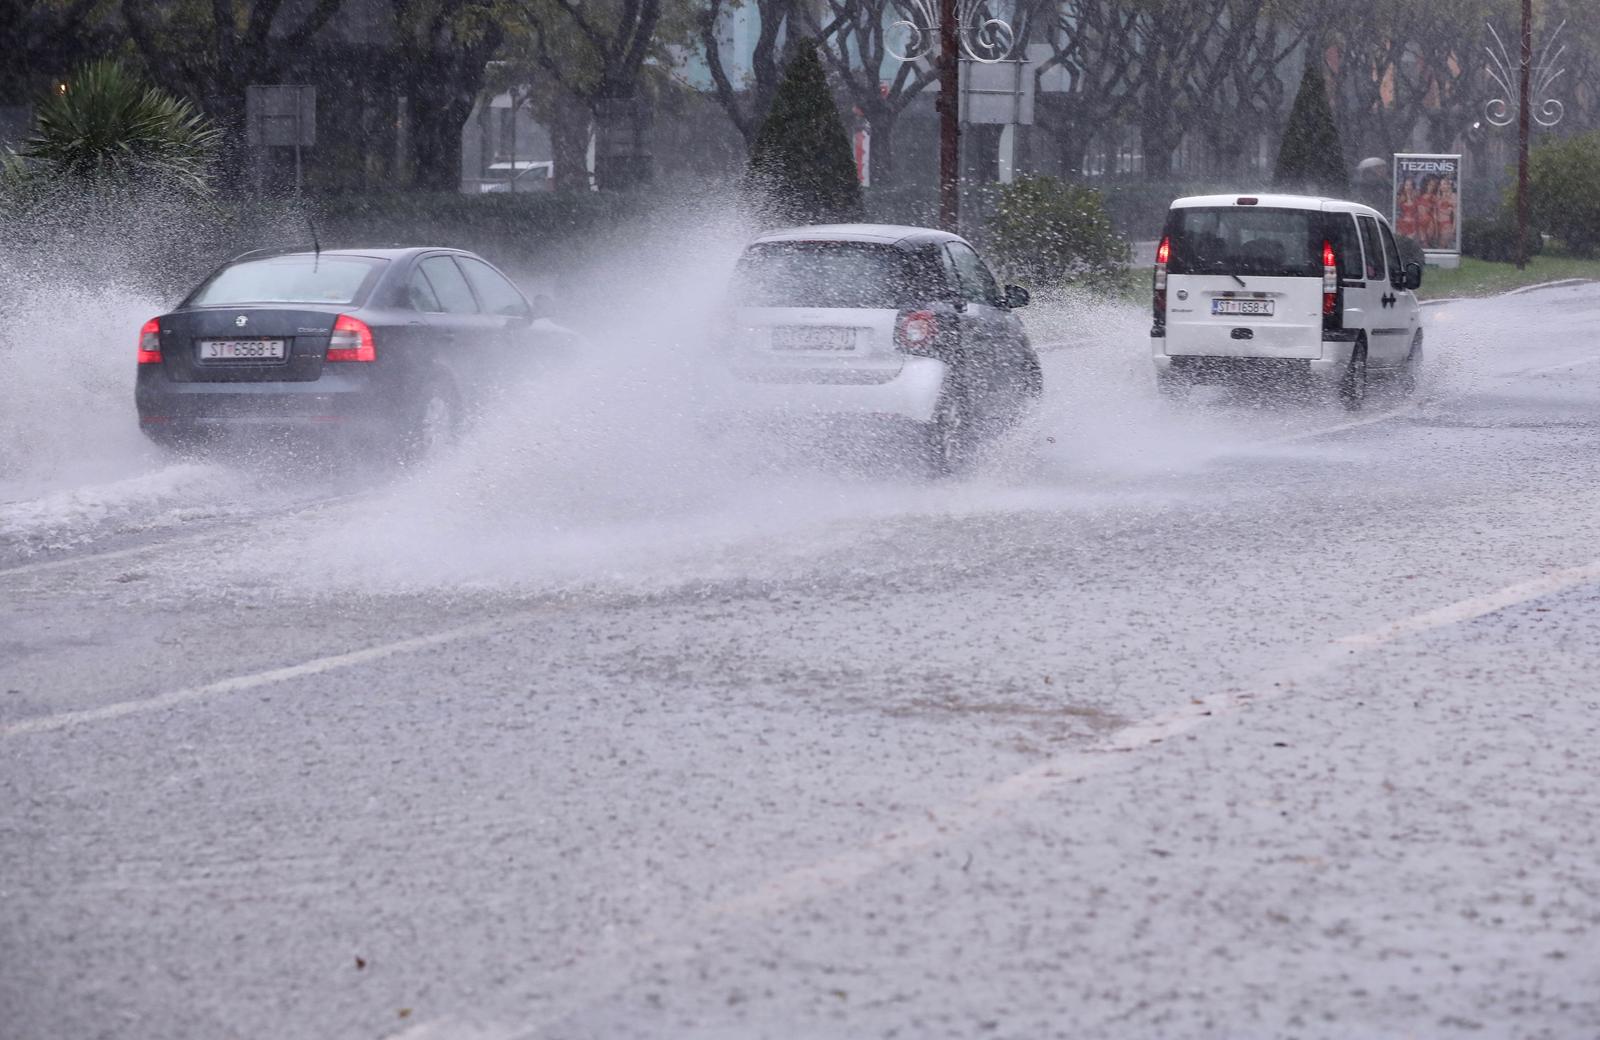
(150, 343)
(1330, 281)
(351, 341)
(1159, 301)
(915, 332)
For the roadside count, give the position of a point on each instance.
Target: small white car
(1249, 286)
(879, 321)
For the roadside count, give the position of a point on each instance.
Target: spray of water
(618, 465)
(80, 272)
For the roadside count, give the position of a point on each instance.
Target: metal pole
(299, 134)
(1524, 103)
(949, 105)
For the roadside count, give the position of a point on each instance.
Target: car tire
(1353, 383)
(434, 423)
(1411, 372)
(947, 440)
(1025, 393)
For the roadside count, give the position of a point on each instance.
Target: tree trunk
(436, 123)
(622, 159)
(1071, 146)
(880, 160)
(569, 143)
(1157, 141)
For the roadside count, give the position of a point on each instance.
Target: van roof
(1277, 202)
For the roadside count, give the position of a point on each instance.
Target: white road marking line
(1354, 424)
(113, 554)
(180, 538)
(977, 810)
(1476, 606)
(943, 825)
(317, 666)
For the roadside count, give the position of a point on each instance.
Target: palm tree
(107, 125)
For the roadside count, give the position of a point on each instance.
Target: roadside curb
(1560, 283)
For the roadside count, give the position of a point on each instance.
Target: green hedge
(513, 230)
(1496, 239)
(1564, 192)
(1137, 207)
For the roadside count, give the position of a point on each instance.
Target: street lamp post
(1522, 133)
(944, 31)
(949, 106)
(1533, 104)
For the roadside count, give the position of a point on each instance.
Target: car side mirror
(1413, 279)
(1017, 296)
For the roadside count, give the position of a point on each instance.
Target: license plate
(812, 337)
(241, 350)
(1259, 308)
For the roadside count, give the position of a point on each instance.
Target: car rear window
(829, 274)
(1245, 240)
(291, 279)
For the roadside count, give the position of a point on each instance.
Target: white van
(1253, 286)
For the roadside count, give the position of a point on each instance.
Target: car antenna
(316, 246)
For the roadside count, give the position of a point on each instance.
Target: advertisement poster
(1427, 203)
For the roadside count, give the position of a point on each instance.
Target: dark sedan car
(383, 347)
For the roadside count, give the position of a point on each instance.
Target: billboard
(1427, 202)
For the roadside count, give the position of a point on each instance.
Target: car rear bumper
(335, 399)
(1219, 368)
(912, 393)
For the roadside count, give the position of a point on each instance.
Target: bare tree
(211, 52)
(854, 45)
(1579, 88)
(447, 45)
(1171, 39)
(747, 106)
(1239, 86)
(1092, 41)
(1398, 66)
(596, 53)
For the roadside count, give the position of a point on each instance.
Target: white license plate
(241, 350)
(1259, 308)
(812, 337)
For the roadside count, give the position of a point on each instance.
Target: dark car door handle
(1389, 299)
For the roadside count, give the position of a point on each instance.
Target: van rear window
(1245, 240)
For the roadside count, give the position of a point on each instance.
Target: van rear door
(1244, 281)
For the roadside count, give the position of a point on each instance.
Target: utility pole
(949, 106)
(1524, 109)
(1534, 103)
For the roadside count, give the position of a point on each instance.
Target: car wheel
(435, 422)
(1411, 371)
(948, 438)
(1353, 384)
(1025, 391)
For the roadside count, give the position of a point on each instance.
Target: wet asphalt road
(1227, 720)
